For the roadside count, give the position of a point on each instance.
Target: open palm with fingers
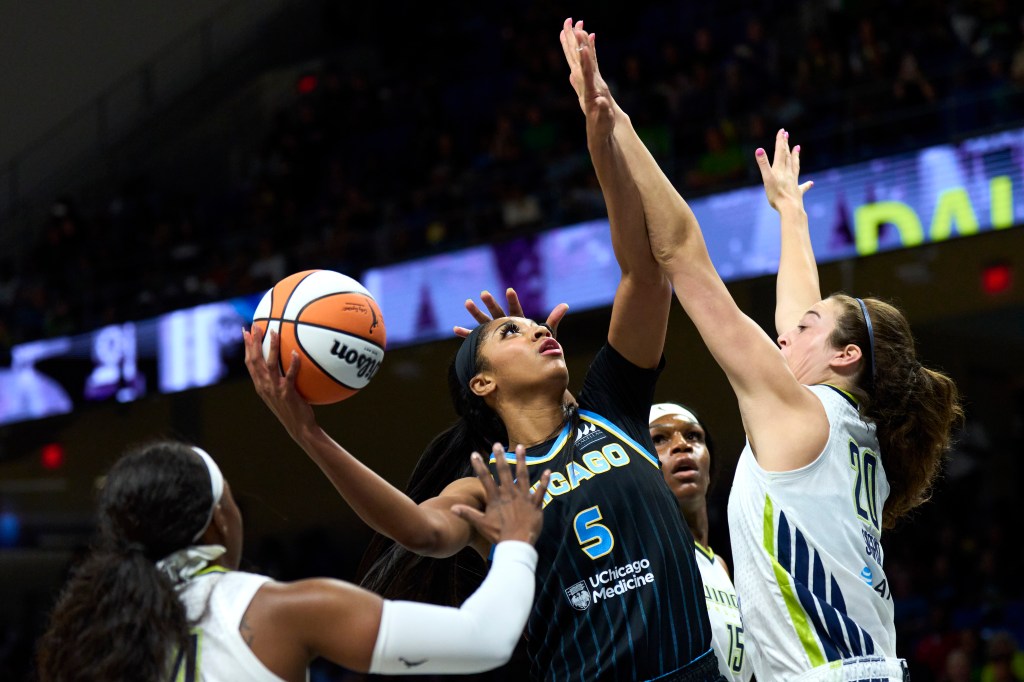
(579, 48)
(514, 510)
(515, 309)
(782, 177)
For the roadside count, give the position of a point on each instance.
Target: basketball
(335, 326)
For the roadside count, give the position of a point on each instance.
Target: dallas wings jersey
(619, 595)
(727, 636)
(808, 557)
(218, 599)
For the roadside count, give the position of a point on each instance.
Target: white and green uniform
(727, 636)
(218, 599)
(808, 560)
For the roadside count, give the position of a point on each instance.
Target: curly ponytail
(914, 408)
(119, 618)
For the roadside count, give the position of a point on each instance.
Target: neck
(696, 514)
(532, 423)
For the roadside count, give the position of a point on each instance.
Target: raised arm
(643, 299)
(796, 287)
(783, 420)
(429, 529)
(286, 624)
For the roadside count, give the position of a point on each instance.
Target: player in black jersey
(619, 593)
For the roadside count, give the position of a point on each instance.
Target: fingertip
(796, 149)
(760, 152)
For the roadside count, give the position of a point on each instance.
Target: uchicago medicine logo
(611, 582)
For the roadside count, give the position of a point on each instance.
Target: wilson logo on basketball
(367, 365)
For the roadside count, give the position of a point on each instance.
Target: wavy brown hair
(913, 408)
(118, 618)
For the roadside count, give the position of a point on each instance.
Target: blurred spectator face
(958, 667)
(713, 139)
(702, 41)
(908, 67)
(755, 31)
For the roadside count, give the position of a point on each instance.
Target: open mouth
(685, 469)
(550, 347)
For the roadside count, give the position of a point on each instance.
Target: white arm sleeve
(419, 638)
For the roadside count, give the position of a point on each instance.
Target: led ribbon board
(902, 201)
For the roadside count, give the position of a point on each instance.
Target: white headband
(665, 409)
(216, 485)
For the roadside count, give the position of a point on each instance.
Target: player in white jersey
(840, 395)
(685, 448)
(796, 431)
(159, 596)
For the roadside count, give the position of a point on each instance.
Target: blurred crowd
(421, 130)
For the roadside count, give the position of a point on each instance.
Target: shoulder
(295, 602)
(724, 566)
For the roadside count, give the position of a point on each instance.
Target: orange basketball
(335, 326)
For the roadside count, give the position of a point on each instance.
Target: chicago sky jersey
(727, 636)
(619, 595)
(808, 556)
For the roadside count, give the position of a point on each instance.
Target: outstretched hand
(276, 389)
(782, 177)
(580, 50)
(515, 309)
(513, 511)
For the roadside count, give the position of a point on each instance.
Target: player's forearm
(671, 224)
(796, 287)
(625, 208)
(381, 505)
(423, 638)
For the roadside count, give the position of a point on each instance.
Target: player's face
(685, 460)
(232, 518)
(807, 348)
(520, 352)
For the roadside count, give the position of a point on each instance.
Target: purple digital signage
(928, 196)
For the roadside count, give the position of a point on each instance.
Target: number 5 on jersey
(595, 538)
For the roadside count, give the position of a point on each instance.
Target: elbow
(499, 655)
(423, 545)
(428, 541)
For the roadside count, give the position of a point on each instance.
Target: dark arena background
(163, 164)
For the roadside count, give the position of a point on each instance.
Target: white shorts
(862, 669)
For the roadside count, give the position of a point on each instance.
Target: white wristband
(419, 639)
